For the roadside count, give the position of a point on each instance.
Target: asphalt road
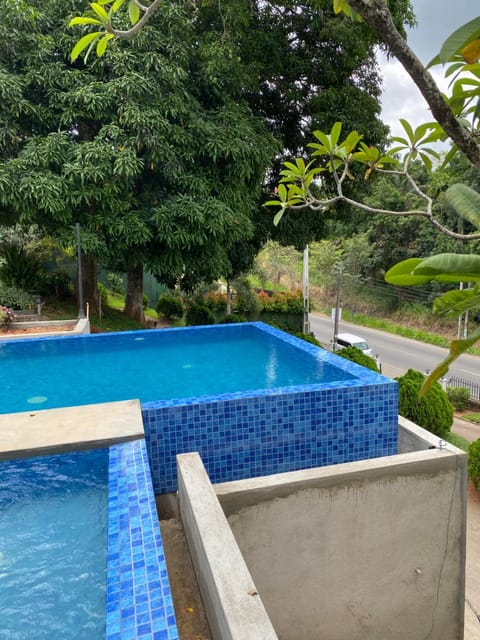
(396, 353)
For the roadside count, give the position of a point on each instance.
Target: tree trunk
(90, 287)
(134, 295)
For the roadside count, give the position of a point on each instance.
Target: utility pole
(81, 312)
(306, 292)
(337, 306)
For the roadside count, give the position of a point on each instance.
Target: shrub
(288, 302)
(356, 355)
(19, 268)
(102, 292)
(246, 300)
(115, 283)
(7, 316)
(55, 283)
(199, 314)
(234, 317)
(459, 397)
(215, 300)
(145, 301)
(307, 337)
(474, 463)
(170, 306)
(433, 411)
(15, 298)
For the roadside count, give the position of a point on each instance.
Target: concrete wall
(369, 550)
(233, 605)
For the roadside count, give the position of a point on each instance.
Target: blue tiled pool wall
(139, 602)
(272, 433)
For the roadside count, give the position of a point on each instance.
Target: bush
(433, 411)
(246, 301)
(15, 298)
(356, 355)
(215, 300)
(56, 283)
(307, 337)
(199, 314)
(19, 268)
(234, 317)
(7, 316)
(474, 463)
(459, 397)
(288, 302)
(102, 292)
(145, 301)
(170, 306)
(115, 283)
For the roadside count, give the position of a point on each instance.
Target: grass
(473, 417)
(458, 441)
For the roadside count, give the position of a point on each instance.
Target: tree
(153, 149)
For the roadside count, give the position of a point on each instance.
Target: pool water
(153, 365)
(53, 547)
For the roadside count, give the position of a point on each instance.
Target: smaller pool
(53, 546)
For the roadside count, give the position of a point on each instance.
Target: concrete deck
(31, 433)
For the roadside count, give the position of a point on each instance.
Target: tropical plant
(198, 314)
(356, 355)
(7, 316)
(459, 397)
(15, 298)
(433, 411)
(474, 464)
(170, 306)
(19, 267)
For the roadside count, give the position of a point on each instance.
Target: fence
(473, 387)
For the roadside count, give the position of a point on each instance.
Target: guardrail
(473, 387)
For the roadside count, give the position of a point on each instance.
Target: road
(396, 353)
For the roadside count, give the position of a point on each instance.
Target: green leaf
(453, 303)
(133, 12)
(408, 129)
(457, 347)
(83, 20)
(451, 267)
(402, 273)
(83, 43)
(117, 5)
(102, 44)
(459, 38)
(100, 11)
(465, 201)
(335, 133)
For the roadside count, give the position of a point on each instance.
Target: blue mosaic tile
(249, 434)
(139, 600)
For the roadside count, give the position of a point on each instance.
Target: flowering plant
(7, 316)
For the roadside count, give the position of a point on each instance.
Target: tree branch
(377, 15)
(127, 33)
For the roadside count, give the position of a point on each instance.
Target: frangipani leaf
(457, 347)
(453, 303)
(402, 273)
(459, 39)
(450, 267)
(83, 20)
(465, 201)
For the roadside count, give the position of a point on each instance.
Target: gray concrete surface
(232, 602)
(471, 432)
(372, 549)
(32, 433)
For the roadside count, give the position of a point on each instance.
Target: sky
(436, 19)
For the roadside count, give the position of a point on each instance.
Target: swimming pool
(306, 408)
(53, 546)
(152, 366)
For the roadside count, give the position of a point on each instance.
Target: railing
(473, 387)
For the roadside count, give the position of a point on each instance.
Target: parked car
(350, 340)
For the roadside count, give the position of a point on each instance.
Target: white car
(350, 340)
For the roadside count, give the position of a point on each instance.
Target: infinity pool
(152, 366)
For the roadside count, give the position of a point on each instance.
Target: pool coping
(32, 433)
